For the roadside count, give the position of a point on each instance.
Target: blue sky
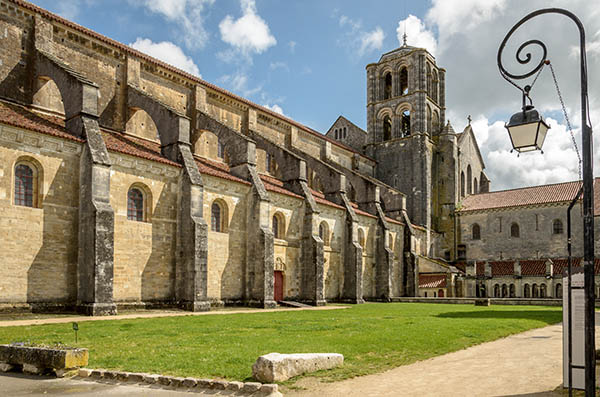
(307, 58)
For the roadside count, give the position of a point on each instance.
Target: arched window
(135, 205)
(387, 90)
(469, 180)
(344, 132)
(512, 290)
(387, 128)
(436, 122)
(475, 186)
(462, 184)
(435, 87)
(514, 230)
(218, 216)
(504, 290)
(429, 121)
(542, 290)
(361, 238)
(425, 294)
(535, 292)
(496, 291)
(526, 291)
(406, 123)
(557, 226)
(429, 80)
(476, 232)
(403, 81)
(278, 226)
(558, 293)
(25, 185)
(483, 291)
(324, 232)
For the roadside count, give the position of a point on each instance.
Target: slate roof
(535, 195)
(432, 281)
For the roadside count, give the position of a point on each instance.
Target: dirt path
(141, 314)
(521, 364)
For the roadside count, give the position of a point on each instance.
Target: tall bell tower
(405, 110)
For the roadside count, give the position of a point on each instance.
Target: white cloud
(469, 33)
(248, 34)
(276, 108)
(357, 40)
(278, 65)
(188, 14)
(167, 52)
(292, 44)
(417, 34)
(239, 83)
(370, 41)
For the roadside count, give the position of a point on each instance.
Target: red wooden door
(441, 293)
(278, 286)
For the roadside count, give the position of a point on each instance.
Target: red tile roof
(461, 266)
(480, 269)
(175, 70)
(361, 212)
(134, 146)
(432, 281)
(320, 199)
(559, 265)
(22, 117)
(217, 169)
(275, 185)
(503, 268)
(535, 195)
(534, 267)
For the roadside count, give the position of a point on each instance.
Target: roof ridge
(174, 69)
(531, 187)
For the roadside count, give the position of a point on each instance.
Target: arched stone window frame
(504, 291)
(278, 225)
(462, 184)
(469, 180)
(557, 226)
(511, 291)
(515, 230)
(476, 232)
(496, 290)
(429, 120)
(29, 195)
(387, 70)
(324, 233)
(543, 291)
(558, 291)
(381, 116)
(429, 81)
(362, 240)
(475, 186)
(403, 76)
(435, 122)
(136, 211)
(435, 86)
(219, 216)
(526, 291)
(404, 128)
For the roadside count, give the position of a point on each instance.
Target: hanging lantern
(527, 130)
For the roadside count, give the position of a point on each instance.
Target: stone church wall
(39, 245)
(144, 254)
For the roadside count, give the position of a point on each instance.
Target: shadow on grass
(547, 316)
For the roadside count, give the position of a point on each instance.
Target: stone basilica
(125, 182)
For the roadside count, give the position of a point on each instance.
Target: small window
(218, 216)
(406, 123)
(514, 230)
(526, 291)
(557, 227)
(476, 232)
(220, 150)
(387, 128)
(462, 184)
(324, 232)
(461, 252)
(25, 186)
(278, 226)
(135, 205)
(344, 132)
(387, 92)
(404, 81)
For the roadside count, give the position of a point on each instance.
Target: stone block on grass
(275, 367)
(5, 367)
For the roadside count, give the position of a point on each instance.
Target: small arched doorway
(278, 280)
(441, 293)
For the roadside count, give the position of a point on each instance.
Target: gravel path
(524, 364)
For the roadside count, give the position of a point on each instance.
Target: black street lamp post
(527, 131)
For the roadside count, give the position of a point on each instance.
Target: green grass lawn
(372, 337)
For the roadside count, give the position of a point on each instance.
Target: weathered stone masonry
(187, 146)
